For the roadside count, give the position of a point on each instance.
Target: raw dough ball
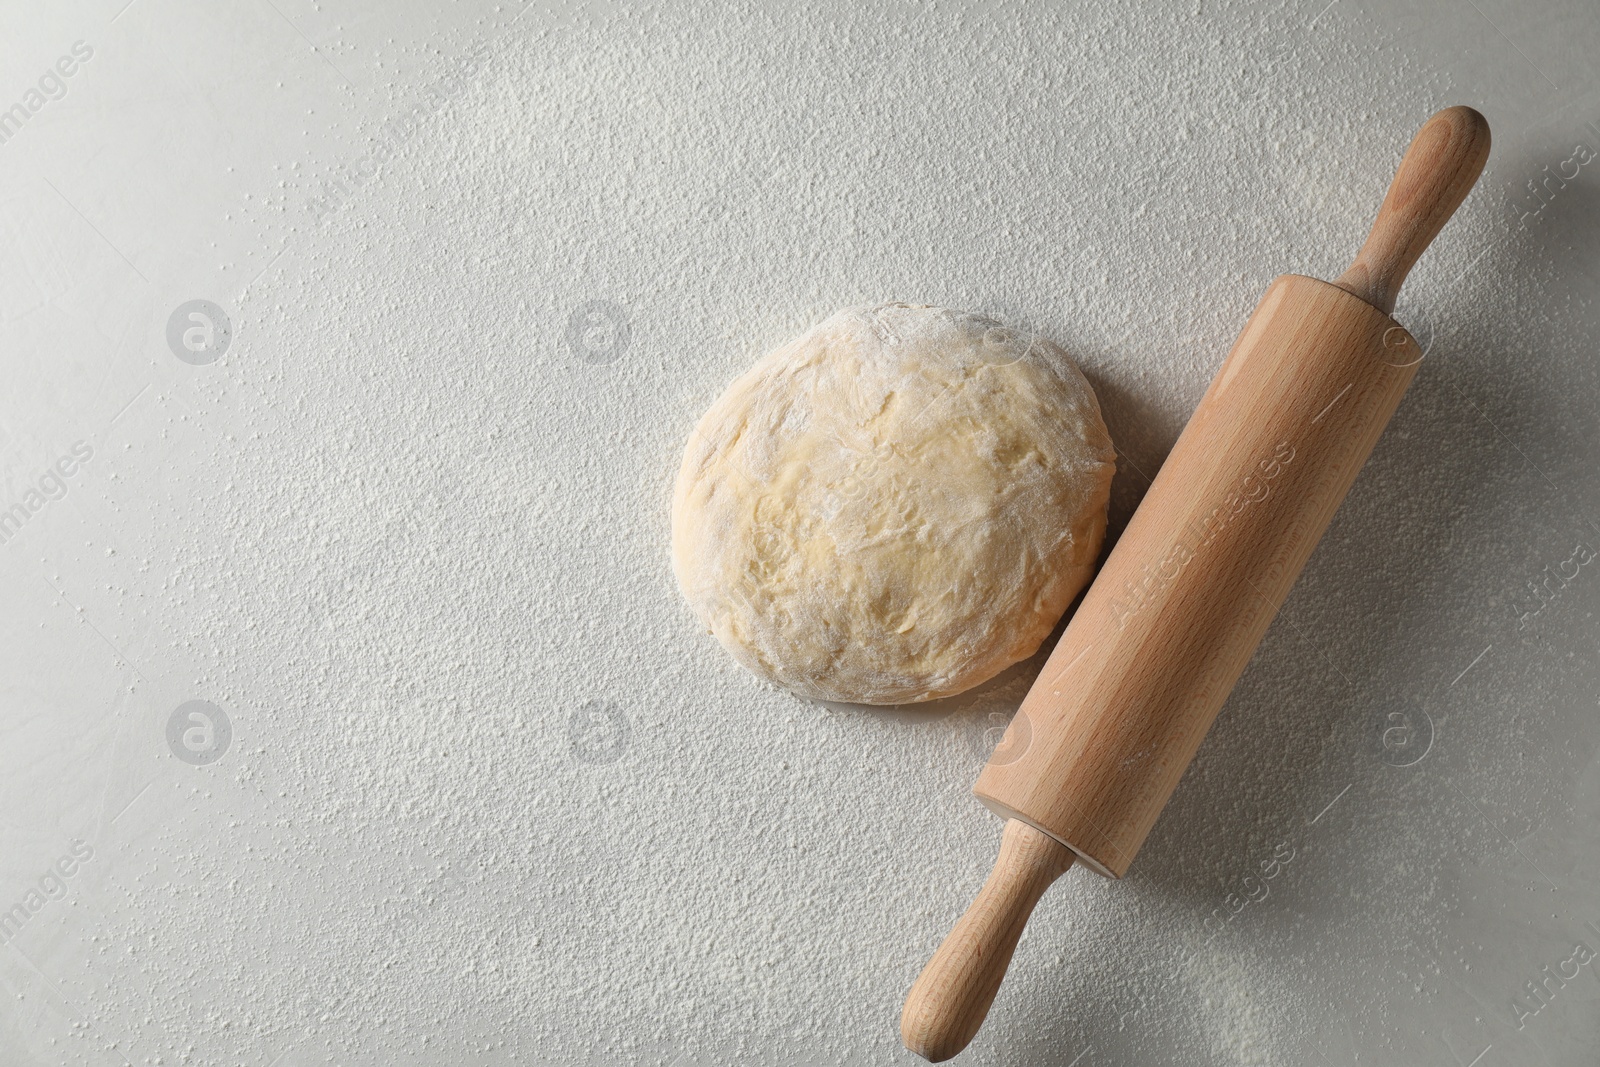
(894, 507)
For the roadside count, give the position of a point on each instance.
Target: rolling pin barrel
(1237, 508)
(1159, 639)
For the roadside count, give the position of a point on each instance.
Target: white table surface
(415, 843)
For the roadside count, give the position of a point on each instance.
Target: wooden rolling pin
(1167, 627)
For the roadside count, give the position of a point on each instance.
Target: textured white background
(489, 797)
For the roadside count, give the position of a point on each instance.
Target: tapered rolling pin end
(948, 1003)
(1436, 174)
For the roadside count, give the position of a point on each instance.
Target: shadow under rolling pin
(1161, 636)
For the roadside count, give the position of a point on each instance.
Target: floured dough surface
(895, 506)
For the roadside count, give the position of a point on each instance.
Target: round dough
(895, 506)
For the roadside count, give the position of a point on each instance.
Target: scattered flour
(495, 796)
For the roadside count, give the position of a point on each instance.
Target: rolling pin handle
(948, 1003)
(1437, 172)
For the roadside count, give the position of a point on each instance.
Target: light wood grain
(1182, 601)
(1168, 625)
(948, 1003)
(1438, 171)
